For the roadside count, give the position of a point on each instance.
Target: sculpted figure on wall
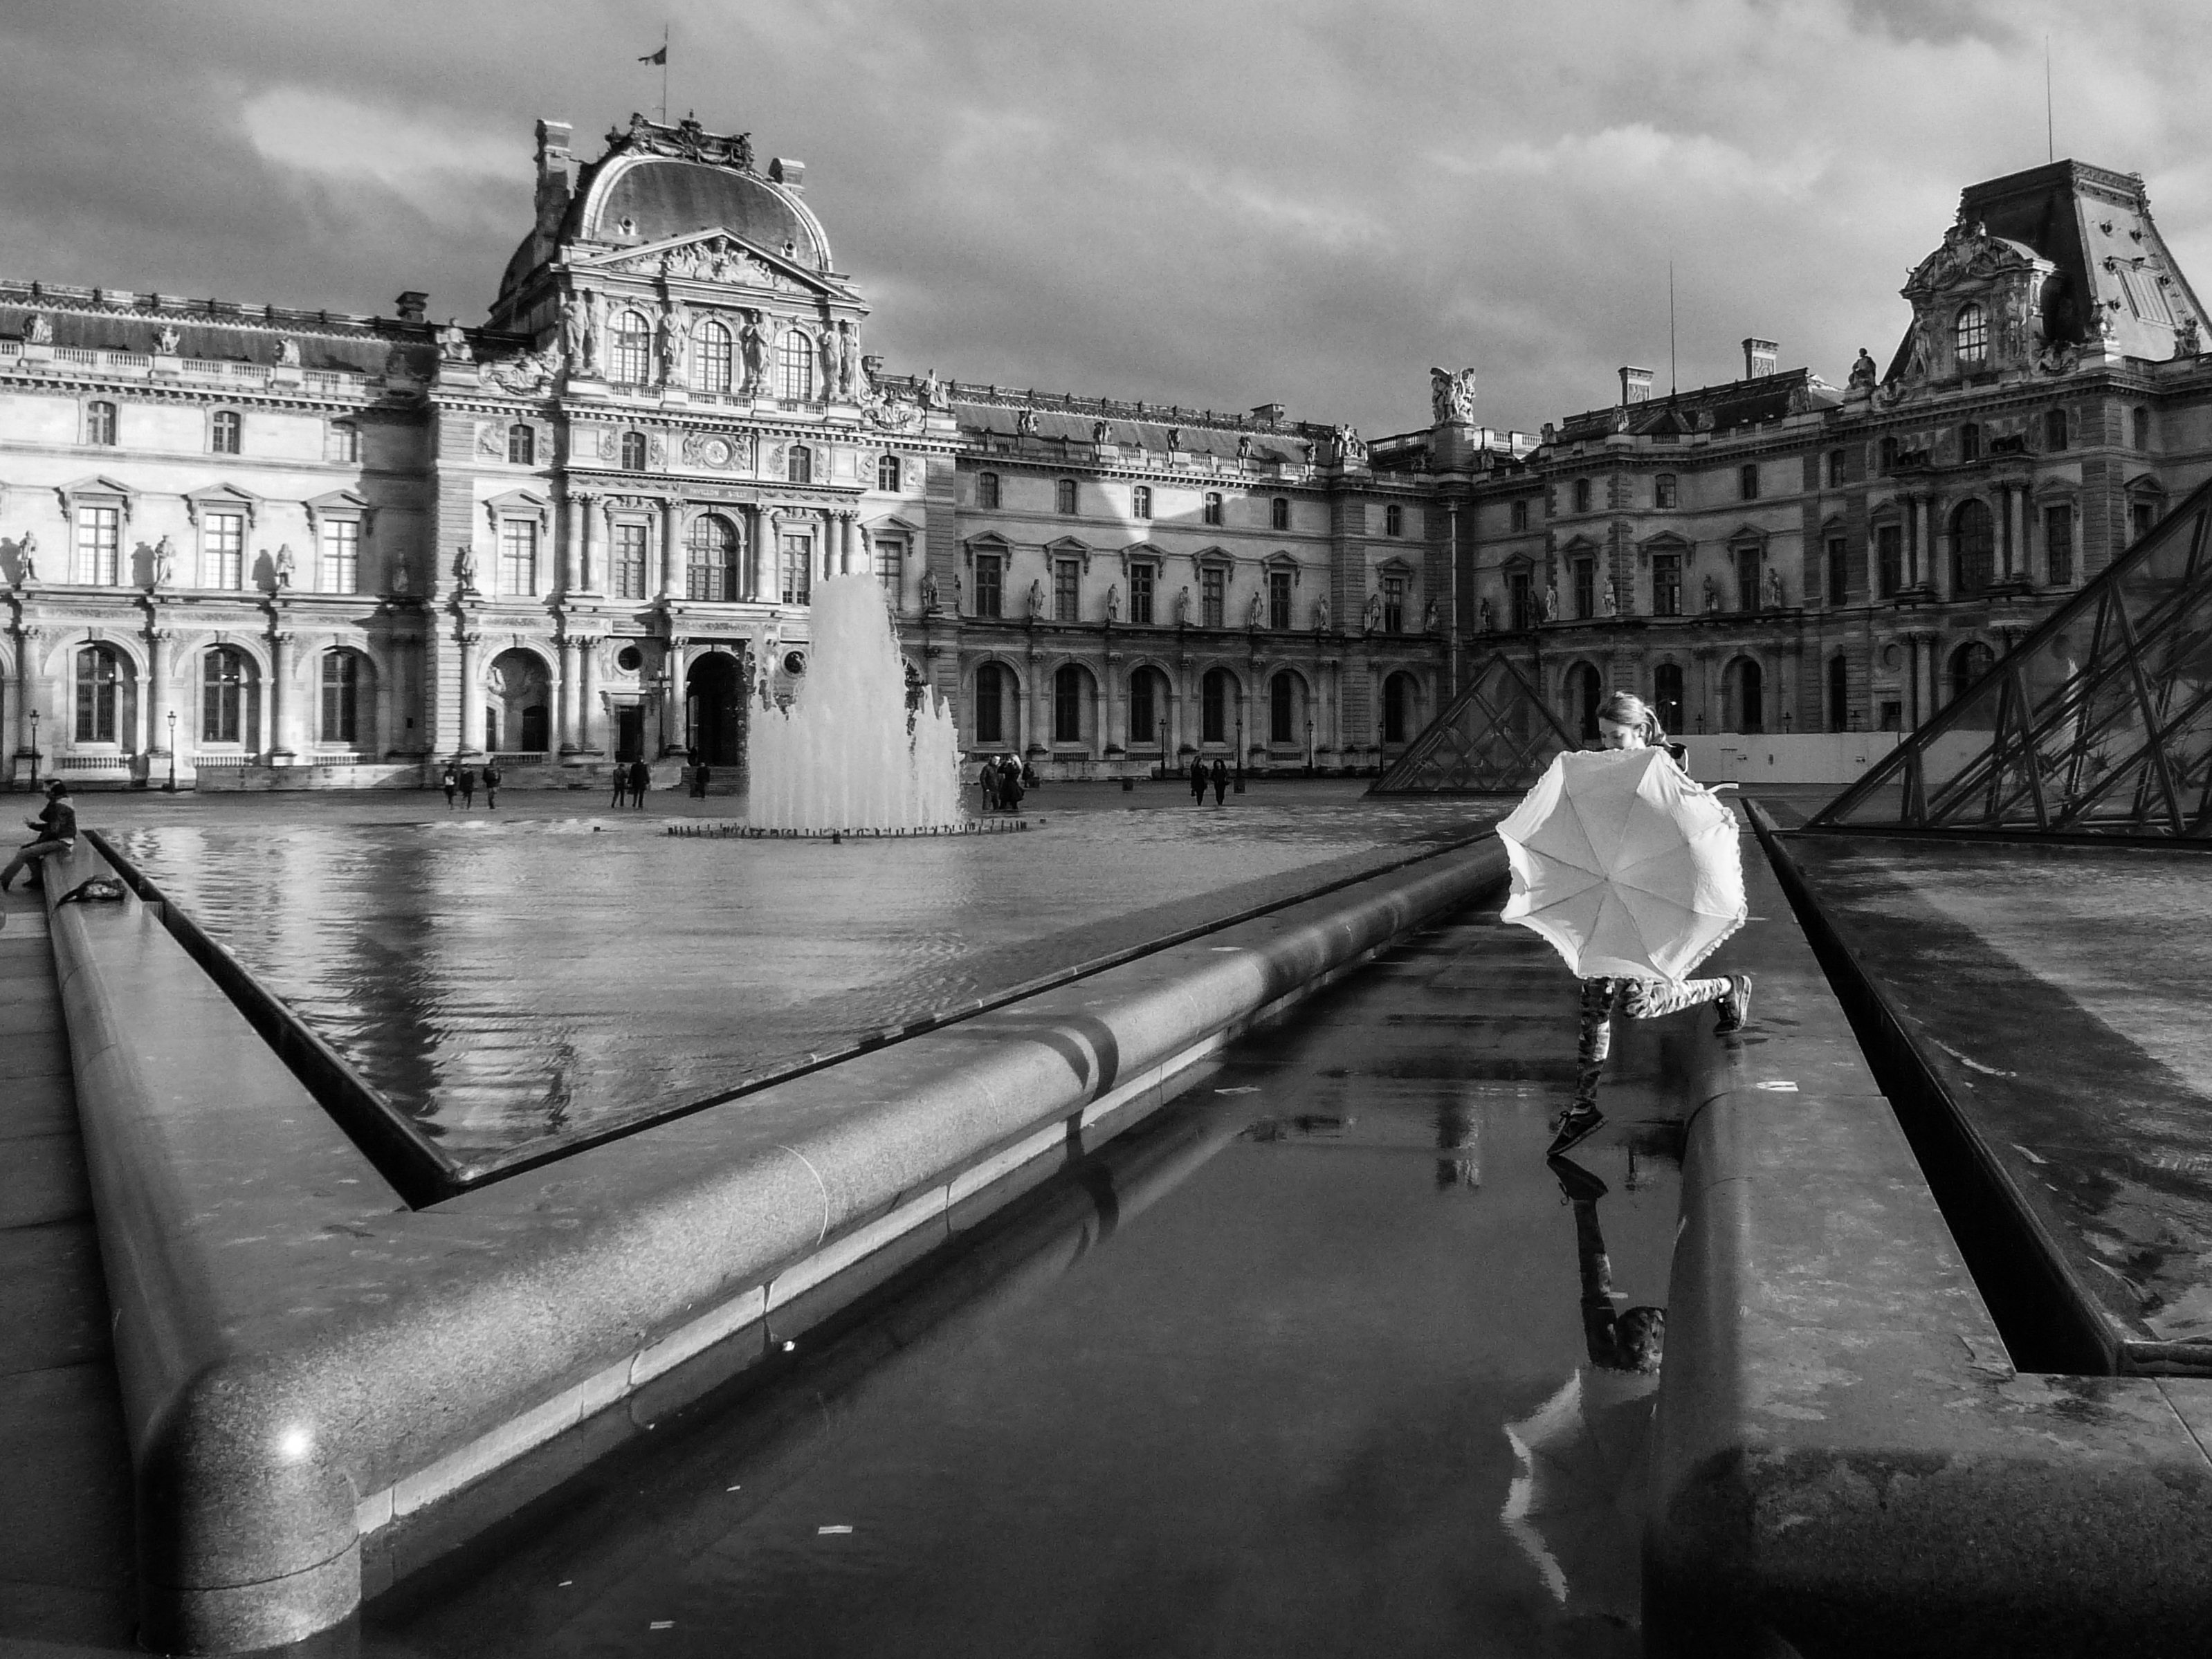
(453, 342)
(572, 332)
(1774, 589)
(928, 590)
(37, 330)
(27, 559)
(753, 345)
(1612, 599)
(672, 346)
(1430, 619)
(286, 565)
(288, 354)
(1321, 615)
(1712, 595)
(402, 582)
(1550, 601)
(465, 568)
(167, 340)
(1374, 613)
(1113, 602)
(165, 563)
(1256, 614)
(1036, 599)
(1183, 606)
(1482, 616)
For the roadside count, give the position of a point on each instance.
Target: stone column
(565, 738)
(281, 750)
(162, 699)
(2015, 539)
(589, 742)
(472, 696)
(751, 516)
(1116, 689)
(582, 576)
(670, 575)
(28, 646)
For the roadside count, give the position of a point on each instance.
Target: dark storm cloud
(1211, 205)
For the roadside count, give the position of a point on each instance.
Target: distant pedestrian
(622, 782)
(641, 776)
(491, 786)
(1220, 781)
(450, 781)
(468, 787)
(1198, 780)
(1010, 785)
(54, 830)
(986, 779)
(1029, 775)
(699, 780)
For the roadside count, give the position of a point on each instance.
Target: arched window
(1063, 497)
(711, 558)
(100, 423)
(1667, 696)
(990, 704)
(887, 473)
(631, 351)
(521, 445)
(1973, 547)
(1283, 708)
(794, 366)
(711, 358)
(103, 682)
(1970, 335)
(341, 709)
(1968, 664)
(342, 443)
(1839, 693)
(226, 432)
(986, 489)
(2054, 428)
(1213, 507)
(633, 451)
(1067, 704)
(1970, 442)
(226, 686)
(1217, 693)
(1279, 513)
(798, 464)
(1743, 688)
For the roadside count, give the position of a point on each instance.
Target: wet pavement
(511, 980)
(1299, 1367)
(2058, 994)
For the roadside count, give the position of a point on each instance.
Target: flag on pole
(659, 57)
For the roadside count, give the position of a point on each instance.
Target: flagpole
(663, 73)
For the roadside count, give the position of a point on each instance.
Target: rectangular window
(1662, 493)
(1213, 597)
(1140, 501)
(990, 706)
(1889, 559)
(798, 569)
(99, 545)
(341, 572)
(1067, 706)
(1393, 519)
(1666, 584)
(1585, 589)
(986, 489)
(1839, 570)
(1747, 579)
(2141, 515)
(1746, 481)
(518, 556)
(1393, 605)
(1278, 600)
(1063, 496)
(1520, 593)
(222, 550)
(1518, 513)
(1835, 468)
(2058, 544)
(890, 561)
(629, 560)
(989, 594)
(1279, 513)
(1068, 590)
(341, 697)
(1141, 579)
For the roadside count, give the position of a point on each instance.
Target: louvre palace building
(245, 546)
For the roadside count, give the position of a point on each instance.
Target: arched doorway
(1968, 664)
(715, 709)
(1148, 709)
(1839, 693)
(1743, 687)
(517, 705)
(1582, 693)
(1401, 708)
(1667, 696)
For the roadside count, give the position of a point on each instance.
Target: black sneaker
(1575, 1181)
(1735, 1007)
(1577, 1125)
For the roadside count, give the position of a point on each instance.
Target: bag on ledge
(93, 889)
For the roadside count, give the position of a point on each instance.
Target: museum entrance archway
(715, 709)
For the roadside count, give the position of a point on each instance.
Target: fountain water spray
(846, 754)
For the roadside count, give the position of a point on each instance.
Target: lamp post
(170, 787)
(34, 747)
(1240, 752)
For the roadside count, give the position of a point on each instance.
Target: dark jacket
(59, 819)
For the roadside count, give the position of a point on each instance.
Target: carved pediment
(341, 504)
(222, 497)
(716, 256)
(1970, 255)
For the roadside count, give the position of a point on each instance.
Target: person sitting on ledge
(1624, 721)
(54, 831)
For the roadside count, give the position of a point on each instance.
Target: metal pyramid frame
(1495, 737)
(2097, 727)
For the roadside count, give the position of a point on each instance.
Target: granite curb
(306, 1360)
(1845, 1460)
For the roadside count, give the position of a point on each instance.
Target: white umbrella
(1627, 867)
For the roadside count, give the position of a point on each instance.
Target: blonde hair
(1626, 708)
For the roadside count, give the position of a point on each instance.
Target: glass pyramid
(1496, 736)
(2098, 725)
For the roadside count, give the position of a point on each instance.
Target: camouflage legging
(1638, 999)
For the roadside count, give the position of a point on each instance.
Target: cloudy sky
(1206, 202)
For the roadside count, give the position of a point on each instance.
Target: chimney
(1635, 385)
(412, 305)
(554, 162)
(1269, 415)
(787, 172)
(1757, 357)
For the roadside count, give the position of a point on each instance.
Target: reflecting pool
(514, 981)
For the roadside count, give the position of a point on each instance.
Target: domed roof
(653, 198)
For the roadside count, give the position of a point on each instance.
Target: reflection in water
(1459, 1133)
(507, 982)
(1574, 1507)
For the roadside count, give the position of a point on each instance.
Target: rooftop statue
(1451, 396)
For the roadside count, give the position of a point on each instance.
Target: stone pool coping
(306, 1361)
(1844, 1460)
